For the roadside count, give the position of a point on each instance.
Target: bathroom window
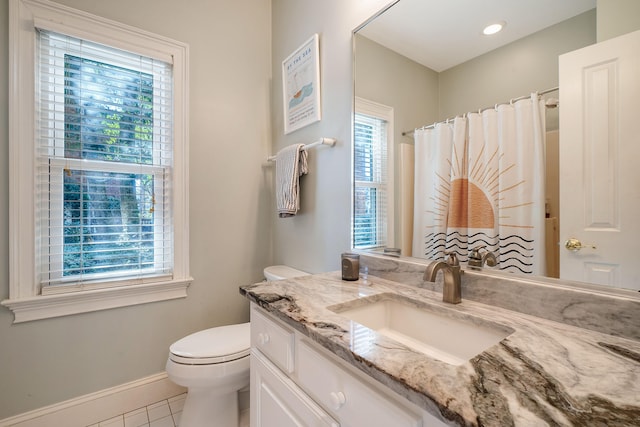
(104, 163)
(373, 171)
(99, 181)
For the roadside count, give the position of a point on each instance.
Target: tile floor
(165, 413)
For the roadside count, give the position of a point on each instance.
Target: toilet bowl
(213, 365)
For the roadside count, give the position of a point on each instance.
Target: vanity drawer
(345, 395)
(273, 340)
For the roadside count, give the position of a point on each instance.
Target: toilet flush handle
(338, 399)
(263, 338)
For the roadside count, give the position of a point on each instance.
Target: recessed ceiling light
(493, 28)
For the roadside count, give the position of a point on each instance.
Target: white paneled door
(600, 163)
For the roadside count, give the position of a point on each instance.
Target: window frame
(385, 113)
(25, 297)
(58, 162)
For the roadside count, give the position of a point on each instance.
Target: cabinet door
(277, 402)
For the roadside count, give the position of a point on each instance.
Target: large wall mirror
(420, 62)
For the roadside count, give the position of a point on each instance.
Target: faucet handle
(478, 259)
(475, 253)
(475, 259)
(452, 259)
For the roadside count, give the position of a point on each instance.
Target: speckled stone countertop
(544, 373)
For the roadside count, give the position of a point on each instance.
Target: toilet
(279, 272)
(213, 365)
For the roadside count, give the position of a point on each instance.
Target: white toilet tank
(279, 272)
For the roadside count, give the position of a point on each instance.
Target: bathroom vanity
(295, 380)
(326, 352)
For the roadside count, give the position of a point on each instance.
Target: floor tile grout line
(146, 408)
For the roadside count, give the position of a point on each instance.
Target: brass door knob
(575, 245)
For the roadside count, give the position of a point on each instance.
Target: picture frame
(301, 86)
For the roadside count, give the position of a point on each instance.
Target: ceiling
(440, 34)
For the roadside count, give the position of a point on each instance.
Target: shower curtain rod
(512, 100)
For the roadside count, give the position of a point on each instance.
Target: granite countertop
(544, 373)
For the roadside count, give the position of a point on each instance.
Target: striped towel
(291, 164)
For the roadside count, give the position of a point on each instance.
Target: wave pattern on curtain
(479, 182)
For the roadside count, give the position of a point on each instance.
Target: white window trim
(24, 294)
(384, 112)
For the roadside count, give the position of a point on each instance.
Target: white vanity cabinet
(276, 401)
(295, 382)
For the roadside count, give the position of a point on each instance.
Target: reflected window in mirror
(373, 175)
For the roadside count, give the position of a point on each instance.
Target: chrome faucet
(477, 259)
(452, 288)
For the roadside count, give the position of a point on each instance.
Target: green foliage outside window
(108, 216)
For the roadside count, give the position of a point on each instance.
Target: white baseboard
(99, 406)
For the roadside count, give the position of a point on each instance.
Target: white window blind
(103, 166)
(371, 182)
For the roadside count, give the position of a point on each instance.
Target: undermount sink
(446, 335)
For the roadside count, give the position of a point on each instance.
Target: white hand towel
(291, 164)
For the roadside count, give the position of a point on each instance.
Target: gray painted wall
(384, 76)
(313, 240)
(617, 17)
(391, 79)
(48, 361)
(513, 70)
(517, 69)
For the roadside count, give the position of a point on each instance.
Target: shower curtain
(479, 182)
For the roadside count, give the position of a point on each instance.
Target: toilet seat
(212, 346)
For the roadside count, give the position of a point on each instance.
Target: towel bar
(322, 141)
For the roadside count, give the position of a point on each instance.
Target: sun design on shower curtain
(482, 193)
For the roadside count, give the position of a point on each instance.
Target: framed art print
(301, 86)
